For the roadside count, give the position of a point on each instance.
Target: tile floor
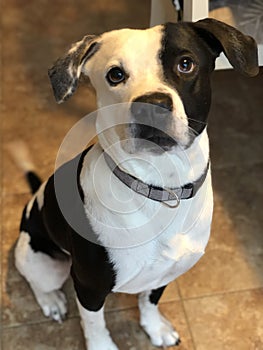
(218, 305)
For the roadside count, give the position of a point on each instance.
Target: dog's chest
(149, 244)
(158, 262)
(156, 252)
(156, 255)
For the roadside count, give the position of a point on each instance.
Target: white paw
(102, 342)
(53, 304)
(161, 332)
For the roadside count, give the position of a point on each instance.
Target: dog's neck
(169, 169)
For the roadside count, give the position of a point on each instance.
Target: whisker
(192, 132)
(197, 121)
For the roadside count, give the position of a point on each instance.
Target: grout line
(1, 170)
(135, 307)
(188, 325)
(48, 320)
(184, 300)
(186, 317)
(37, 323)
(124, 309)
(12, 194)
(216, 294)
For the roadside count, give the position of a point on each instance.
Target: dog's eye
(115, 76)
(185, 65)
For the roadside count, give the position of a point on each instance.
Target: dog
(143, 192)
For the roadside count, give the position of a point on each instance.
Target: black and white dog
(144, 190)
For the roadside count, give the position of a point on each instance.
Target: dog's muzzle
(151, 117)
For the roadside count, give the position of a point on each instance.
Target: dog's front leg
(96, 334)
(159, 329)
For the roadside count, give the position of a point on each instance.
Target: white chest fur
(148, 243)
(168, 255)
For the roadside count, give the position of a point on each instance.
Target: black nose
(152, 105)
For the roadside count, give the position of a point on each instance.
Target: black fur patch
(33, 180)
(92, 272)
(180, 40)
(80, 165)
(240, 49)
(39, 239)
(156, 295)
(64, 75)
(203, 41)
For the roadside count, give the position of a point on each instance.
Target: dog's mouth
(150, 138)
(165, 143)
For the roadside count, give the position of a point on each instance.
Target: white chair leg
(195, 10)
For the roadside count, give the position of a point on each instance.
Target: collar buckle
(175, 196)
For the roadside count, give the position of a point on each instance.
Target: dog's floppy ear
(65, 73)
(241, 50)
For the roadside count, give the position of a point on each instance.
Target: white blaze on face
(137, 53)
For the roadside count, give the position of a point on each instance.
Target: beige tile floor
(217, 305)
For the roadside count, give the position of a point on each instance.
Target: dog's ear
(241, 50)
(65, 73)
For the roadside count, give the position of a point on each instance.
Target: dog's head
(162, 74)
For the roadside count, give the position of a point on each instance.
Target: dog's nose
(152, 105)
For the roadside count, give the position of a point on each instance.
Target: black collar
(153, 192)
